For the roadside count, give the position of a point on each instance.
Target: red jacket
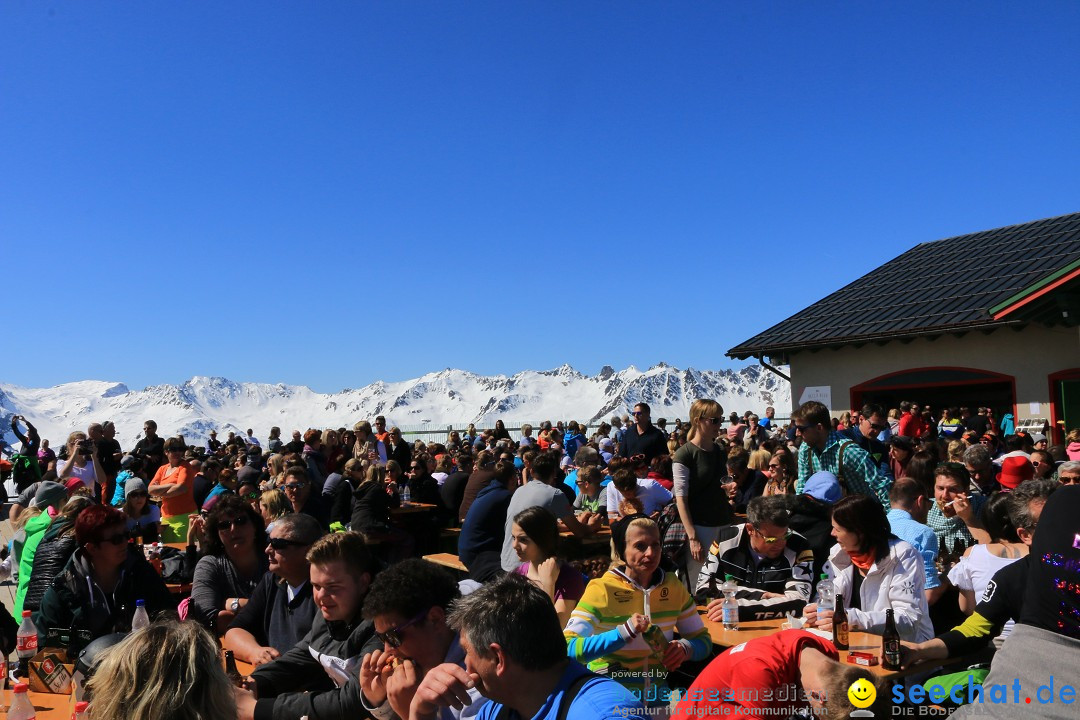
(761, 673)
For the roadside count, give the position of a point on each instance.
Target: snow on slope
(447, 397)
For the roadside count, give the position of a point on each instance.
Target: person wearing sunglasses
(825, 449)
(97, 589)
(319, 677)
(874, 571)
(770, 563)
(174, 486)
(699, 470)
(643, 438)
(408, 604)
(232, 565)
(143, 516)
(870, 432)
(281, 609)
(298, 490)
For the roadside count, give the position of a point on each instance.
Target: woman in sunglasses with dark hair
(232, 565)
(97, 589)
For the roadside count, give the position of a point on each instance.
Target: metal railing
(430, 433)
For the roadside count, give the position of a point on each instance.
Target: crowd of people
(301, 566)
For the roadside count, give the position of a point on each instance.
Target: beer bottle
(231, 671)
(840, 624)
(890, 643)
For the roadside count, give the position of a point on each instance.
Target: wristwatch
(235, 605)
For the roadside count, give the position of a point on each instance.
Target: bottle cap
(26, 613)
(81, 706)
(140, 602)
(20, 688)
(824, 576)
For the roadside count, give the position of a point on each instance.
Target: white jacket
(896, 581)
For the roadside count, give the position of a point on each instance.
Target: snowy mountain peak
(438, 399)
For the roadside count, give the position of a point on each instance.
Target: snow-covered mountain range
(436, 400)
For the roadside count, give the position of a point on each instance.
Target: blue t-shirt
(598, 699)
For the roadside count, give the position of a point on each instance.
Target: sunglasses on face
(638, 412)
(771, 540)
(777, 466)
(237, 522)
(295, 486)
(283, 543)
(118, 539)
(392, 637)
(875, 426)
(714, 420)
(1070, 480)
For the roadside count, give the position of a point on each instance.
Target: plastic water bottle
(21, 707)
(406, 495)
(825, 593)
(26, 642)
(730, 606)
(141, 619)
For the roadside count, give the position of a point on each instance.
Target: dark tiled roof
(941, 286)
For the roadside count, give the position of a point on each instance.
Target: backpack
(174, 566)
(673, 535)
(25, 471)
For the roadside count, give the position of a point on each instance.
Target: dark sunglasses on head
(282, 543)
(237, 522)
(392, 637)
(295, 486)
(118, 539)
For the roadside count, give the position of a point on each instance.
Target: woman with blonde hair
(82, 462)
(169, 671)
(275, 468)
(634, 594)
(699, 468)
(759, 459)
(272, 505)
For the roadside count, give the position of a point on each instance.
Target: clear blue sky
(332, 193)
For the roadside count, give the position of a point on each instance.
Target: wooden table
(447, 560)
(857, 641)
(48, 705)
(413, 508)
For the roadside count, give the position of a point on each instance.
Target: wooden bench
(447, 560)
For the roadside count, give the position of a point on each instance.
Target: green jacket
(35, 530)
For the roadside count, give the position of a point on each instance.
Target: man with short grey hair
(983, 473)
(1069, 473)
(281, 609)
(770, 563)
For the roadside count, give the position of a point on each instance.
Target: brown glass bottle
(890, 643)
(840, 624)
(231, 671)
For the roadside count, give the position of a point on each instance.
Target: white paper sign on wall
(820, 393)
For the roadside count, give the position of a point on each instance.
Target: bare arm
(246, 647)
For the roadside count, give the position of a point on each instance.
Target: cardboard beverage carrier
(52, 668)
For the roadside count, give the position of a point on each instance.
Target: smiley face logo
(862, 693)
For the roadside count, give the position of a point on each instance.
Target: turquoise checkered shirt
(861, 474)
